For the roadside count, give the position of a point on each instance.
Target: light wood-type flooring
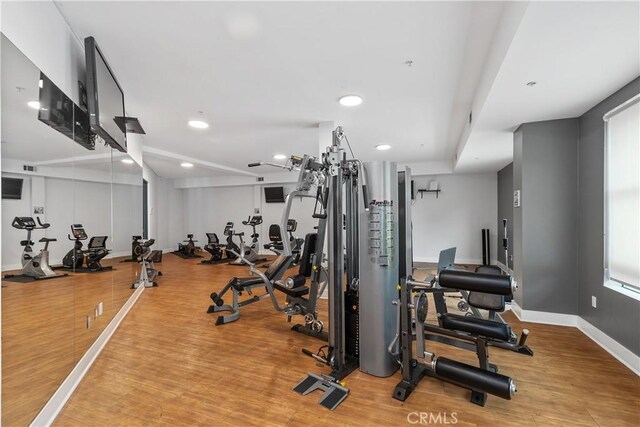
(169, 364)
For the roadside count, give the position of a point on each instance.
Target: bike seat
(44, 240)
(26, 243)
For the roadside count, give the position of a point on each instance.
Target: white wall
(466, 204)
(169, 216)
(67, 202)
(208, 209)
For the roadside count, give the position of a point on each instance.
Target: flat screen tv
(105, 99)
(58, 111)
(274, 194)
(12, 188)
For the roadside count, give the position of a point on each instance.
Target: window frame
(616, 285)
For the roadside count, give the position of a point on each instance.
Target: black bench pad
(298, 292)
(475, 326)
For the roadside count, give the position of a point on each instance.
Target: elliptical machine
(87, 260)
(35, 266)
(249, 252)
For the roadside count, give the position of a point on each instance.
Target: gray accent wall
(616, 315)
(505, 210)
(545, 226)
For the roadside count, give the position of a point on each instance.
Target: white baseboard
(55, 404)
(611, 346)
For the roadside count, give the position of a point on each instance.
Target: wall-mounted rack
(424, 190)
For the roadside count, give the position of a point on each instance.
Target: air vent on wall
(29, 168)
(260, 179)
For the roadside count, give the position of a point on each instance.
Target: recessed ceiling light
(198, 124)
(350, 100)
(127, 161)
(280, 156)
(186, 165)
(34, 104)
(383, 147)
(532, 83)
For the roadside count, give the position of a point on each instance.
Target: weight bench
(238, 285)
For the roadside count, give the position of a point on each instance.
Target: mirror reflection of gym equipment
(365, 213)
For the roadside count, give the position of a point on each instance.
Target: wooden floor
(169, 364)
(44, 332)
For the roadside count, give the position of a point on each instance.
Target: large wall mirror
(91, 199)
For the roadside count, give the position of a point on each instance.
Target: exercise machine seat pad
(298, 292)
(474, 326)
(241, 283)
(486, 301)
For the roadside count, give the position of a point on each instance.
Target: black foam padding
(489, 269)
(297, 280)
(298, 292)
(481, 282)
(486, 301)
(306, 260)
(474, 378)
(475, 326)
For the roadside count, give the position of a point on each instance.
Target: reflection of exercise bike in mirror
(78, 259)
(249, 252)
(188, 249)
(148, 271)
(34, 266)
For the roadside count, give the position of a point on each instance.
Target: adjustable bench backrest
(306, 260)
(278, 267)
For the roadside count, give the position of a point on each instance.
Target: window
(622, 198)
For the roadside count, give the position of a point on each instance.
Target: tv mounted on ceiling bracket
(105, 99)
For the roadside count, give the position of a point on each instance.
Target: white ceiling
(264, 74)
(578, 53)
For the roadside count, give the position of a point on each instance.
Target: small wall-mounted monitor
(105, 99)
(274, 194)
(12, 188)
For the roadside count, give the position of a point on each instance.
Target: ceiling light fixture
(34, 104)
(280, 156)
(198, 124)
(532, 83)
(350, 100)
(186, 165)
(127, 161)
(383, 147)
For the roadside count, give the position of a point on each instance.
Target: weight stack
(378, 266)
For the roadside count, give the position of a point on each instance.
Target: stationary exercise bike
(276, 241)
(249, 252)
(188, 250)
(148, 271)
(231, 250)
(35, 266)
(88, 260)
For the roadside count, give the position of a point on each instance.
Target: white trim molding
(611, 346)
(52, 408)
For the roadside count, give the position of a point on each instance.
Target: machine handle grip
(45, 225)
(253, 165)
